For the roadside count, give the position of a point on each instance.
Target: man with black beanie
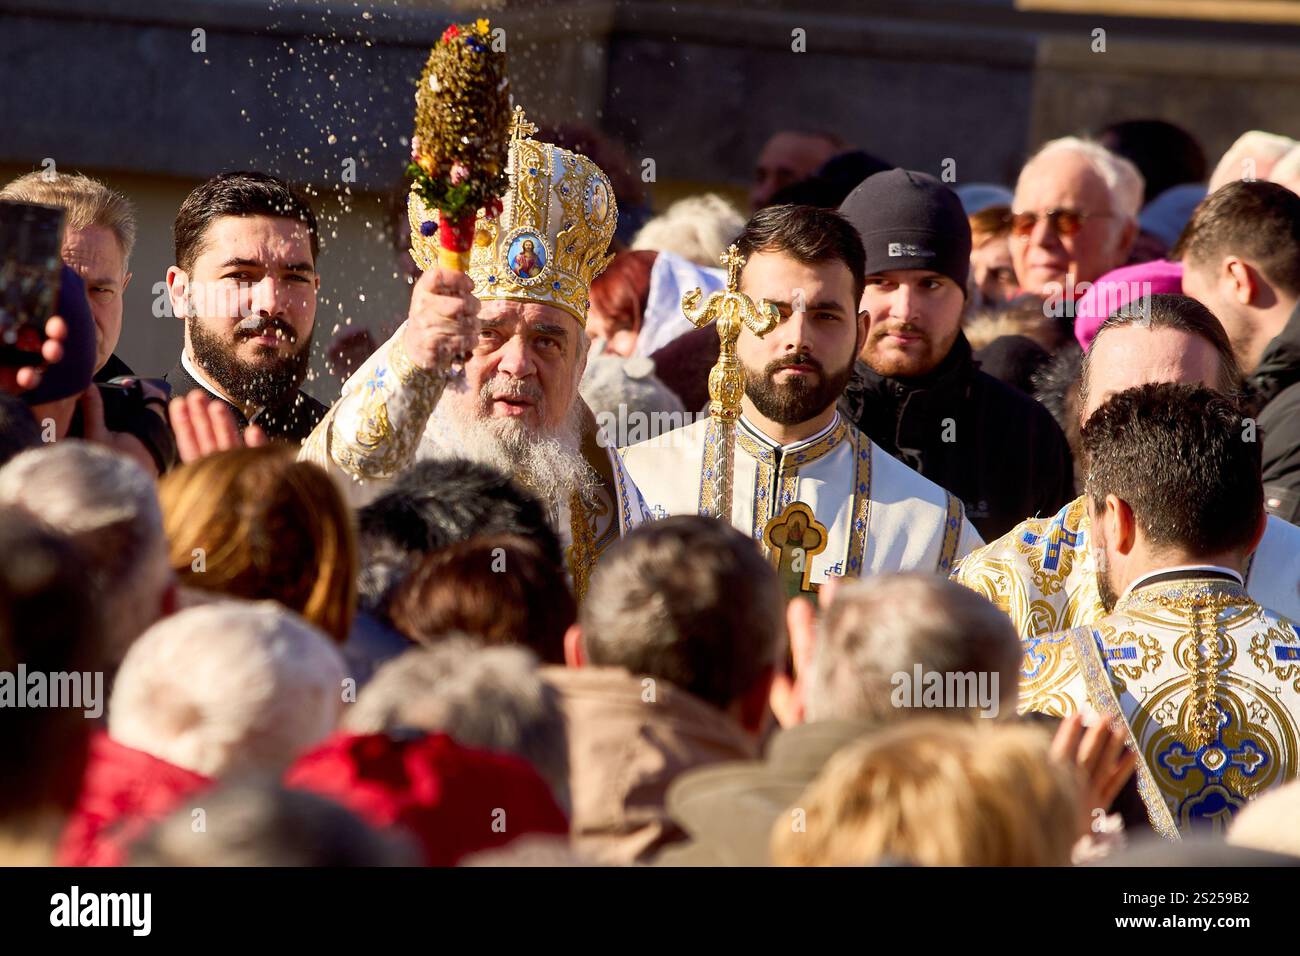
(916, 391)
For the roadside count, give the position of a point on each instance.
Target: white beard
(548, 463)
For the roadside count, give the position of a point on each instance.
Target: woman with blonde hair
(255, 523)
(931, 792)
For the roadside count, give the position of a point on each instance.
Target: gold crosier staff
(730, 309)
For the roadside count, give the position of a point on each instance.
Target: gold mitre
(552, 235)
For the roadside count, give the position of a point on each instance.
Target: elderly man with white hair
(1253, 155)
(223, 689)
(517, 407)
(228, 687)
(1074, 216)
(108, 506)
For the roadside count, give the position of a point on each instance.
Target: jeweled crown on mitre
(551, 238)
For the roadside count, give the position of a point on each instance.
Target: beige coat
(628, 740)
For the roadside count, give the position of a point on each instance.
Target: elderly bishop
(519, 317)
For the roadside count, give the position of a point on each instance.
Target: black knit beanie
(909, 220)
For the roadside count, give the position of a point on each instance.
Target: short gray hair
(1121, 177)
(491, 698)
(888, 624)
(689, 600)
(108, 506)
(233, 686)
(85, 202)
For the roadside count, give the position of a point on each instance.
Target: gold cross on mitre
(520, 127)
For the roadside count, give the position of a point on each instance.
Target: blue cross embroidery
(1248, 755)
(1056, 536)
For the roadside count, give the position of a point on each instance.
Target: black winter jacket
(1275, 388)
(992, 446)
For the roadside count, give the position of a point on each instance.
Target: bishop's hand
(442, 326)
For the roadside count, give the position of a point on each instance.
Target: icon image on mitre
(526, 255)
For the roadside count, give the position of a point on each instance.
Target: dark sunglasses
(1064, 222)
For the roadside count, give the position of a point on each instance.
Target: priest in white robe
(811, 490)
(1043, 572)
(1204, 681)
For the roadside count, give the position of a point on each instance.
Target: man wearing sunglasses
(1074, 216)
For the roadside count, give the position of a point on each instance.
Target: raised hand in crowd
(204, 425)
(1099, 752)
(94, 429)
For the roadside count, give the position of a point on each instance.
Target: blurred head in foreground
(936, 793)
(256, 523)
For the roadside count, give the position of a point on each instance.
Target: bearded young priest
(816, 493)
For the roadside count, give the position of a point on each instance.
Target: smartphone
(31, 243)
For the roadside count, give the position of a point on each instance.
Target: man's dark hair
(1168, 310)
(1165, 154)
(1258, 221)
(689, 600)
(434, 504)
(1184, 459)
(237, 194)
(18, 428)
(462, 589)
(830, 186)
(810, 236)
(49, 624)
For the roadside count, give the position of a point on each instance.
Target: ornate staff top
(731, 310)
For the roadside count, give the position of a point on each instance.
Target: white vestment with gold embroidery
(1207, 684)
(1043, 574)
(878, 514)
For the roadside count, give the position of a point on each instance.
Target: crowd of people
(999, 564)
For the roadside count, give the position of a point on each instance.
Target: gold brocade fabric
(1043, 575)
(371, 444)
(1207, 683)
(1040, 573)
